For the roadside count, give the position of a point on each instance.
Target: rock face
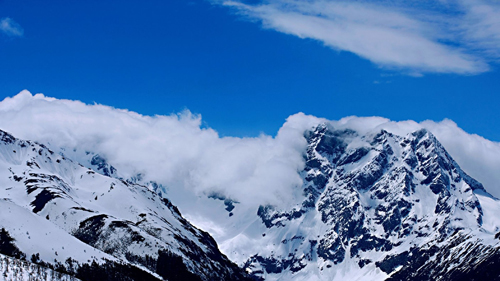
(68, 218)
(379, 206)
(372, 206)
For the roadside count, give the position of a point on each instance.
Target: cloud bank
(417, 37)
(178, 152)
(10, 28)
(173, 150)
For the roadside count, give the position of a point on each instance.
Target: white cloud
(173, 150)
(178, 152)
(481, 27)
(414, 36)
(10, 27)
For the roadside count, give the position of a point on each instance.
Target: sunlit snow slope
(59, 214)
(375, 206)
(372, 206)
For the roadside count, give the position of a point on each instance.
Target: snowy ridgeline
(12, 269)
(69, 218)
(374, 206)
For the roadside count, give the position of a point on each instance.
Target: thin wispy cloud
(482, 27)
(435, 36)
(10, 28)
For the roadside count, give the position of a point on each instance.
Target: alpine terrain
(372, 206)
(377, 207)
(58, 216)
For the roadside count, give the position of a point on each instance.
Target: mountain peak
(369, 204)
(366, 197)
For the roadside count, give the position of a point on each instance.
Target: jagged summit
(372, 206)
(369, 201)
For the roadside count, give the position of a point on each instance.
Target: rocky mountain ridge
(373, 206)
(71, 219)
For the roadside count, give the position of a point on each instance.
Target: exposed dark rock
(42, 199)
(102, 165)
(90, 229)
(8, 247)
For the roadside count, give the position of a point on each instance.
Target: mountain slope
(61, 212)
(372, 206)
(19, 270)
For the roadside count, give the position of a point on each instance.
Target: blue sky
(246, 66)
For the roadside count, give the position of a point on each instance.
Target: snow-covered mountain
(378, 206)
(63, 216)
(372, 206)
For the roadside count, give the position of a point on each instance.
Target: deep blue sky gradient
(160, 57)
